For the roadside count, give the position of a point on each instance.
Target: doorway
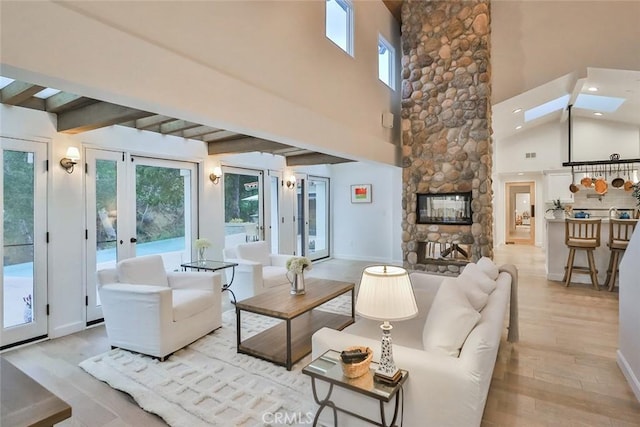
(136, 206)
(23, 253)
(520, 213)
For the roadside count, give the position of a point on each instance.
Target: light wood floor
(563, 372)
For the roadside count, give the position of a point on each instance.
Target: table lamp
(386, 294)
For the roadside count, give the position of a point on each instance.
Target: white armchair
(257, 270)
(154, 312)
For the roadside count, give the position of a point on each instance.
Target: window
(386, 59)
(339, 24)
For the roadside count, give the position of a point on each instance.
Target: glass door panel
(274, 213)
(301, 217)
(106, 201)
(165, 192)
(318, 213)
(23, 255)
(243, 206)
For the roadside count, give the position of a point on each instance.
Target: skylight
(546, 108)
(605, 104)
(46, 93)
(5, 81)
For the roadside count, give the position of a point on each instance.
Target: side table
(328, 368)
(209, 265)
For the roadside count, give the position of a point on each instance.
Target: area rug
(209, 384)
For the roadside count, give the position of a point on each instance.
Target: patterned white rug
(209, 384)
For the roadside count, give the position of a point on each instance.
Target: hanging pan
(618, 181)
(628, 184)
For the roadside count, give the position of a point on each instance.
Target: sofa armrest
(279, 260)
(439, 390)
(208, 281)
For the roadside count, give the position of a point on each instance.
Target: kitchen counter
(557, 253)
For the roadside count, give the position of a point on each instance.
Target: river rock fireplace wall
(446, 128)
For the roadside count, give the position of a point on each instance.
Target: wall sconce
(291, 182)
(215, 175)
(71, 159)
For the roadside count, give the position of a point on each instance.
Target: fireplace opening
(444, 208)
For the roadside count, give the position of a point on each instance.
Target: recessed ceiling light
(520, 173)
(592, 89)
(518, 127)
(517, 110)
(597, 114)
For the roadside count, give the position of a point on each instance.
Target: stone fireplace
(446, 128)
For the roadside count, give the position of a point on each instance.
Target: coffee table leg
(237, 329)
(289, 344)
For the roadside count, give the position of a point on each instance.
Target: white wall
(628, 342)
(260, 68)
(534, 42)
(367, 231)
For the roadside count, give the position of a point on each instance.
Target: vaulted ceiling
(76, 114)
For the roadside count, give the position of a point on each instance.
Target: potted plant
(636, 194)
(557, 209)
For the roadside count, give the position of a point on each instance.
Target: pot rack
(615, 165)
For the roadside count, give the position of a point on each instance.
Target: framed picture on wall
(361, 193)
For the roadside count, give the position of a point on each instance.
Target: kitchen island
(557, 253)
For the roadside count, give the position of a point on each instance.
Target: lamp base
(385, 379)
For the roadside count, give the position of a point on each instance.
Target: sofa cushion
(274, 276)
(254, 251)
(473, 272)
(145, 270)
(189, 302)
(449, 321)
(489, 267)
(476, 296)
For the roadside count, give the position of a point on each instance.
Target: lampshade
(73, 153)
(386, 294)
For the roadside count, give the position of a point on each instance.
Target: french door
(23, 254)
(136, 206)
(243, 206)
(312, 219)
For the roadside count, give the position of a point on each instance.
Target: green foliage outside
(236, 188)
(18, 187)
(159, 203)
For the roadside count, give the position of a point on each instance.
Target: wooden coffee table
(289, 341)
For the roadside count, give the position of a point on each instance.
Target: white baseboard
(628, 373)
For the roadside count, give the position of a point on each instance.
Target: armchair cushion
(145, 270)
(254, 251)
(274, 276)
(476, 296)
(189, 302)
(488, 267)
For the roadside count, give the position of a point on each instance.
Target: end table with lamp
(385, 294)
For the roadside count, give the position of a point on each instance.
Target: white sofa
(257, 270)
(441, 390)
(154, 312)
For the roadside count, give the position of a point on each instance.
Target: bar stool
(582, 234)
(620, 231)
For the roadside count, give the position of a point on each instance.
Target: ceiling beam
(314, 159)
(218, 135)
(149, 122)
(177, 126)
(63, 101)
(98, 115)
(198, 131)
(18, 92)
(243, 145)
